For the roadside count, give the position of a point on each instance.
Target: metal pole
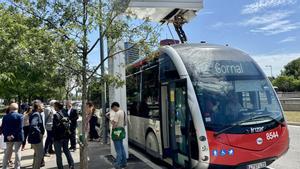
(271, 68)
(103, 93)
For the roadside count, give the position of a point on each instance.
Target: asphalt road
(291, 160)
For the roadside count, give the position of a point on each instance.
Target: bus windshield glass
(231, 91)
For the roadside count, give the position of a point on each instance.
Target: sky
(268, 30)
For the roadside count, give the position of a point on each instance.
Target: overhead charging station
(176, 12)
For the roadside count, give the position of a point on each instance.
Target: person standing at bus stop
(61, 134)
(12, 126)
(118, 121)
(36, 132)
(49, 114)
(73, 116)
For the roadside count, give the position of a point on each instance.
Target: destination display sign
(229, 68)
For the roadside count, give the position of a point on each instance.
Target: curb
(294, 123)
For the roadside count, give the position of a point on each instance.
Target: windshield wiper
(244, 121)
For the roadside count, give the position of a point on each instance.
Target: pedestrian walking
(12, 128)
(118, 121)
(49, 114)
(26, 125)
(93, 123)
(73, 116)
(61, 134)
(36, 132)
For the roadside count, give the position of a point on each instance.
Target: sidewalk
(99, 157)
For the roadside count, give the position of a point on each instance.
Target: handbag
(118, 133)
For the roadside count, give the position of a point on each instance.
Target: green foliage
(292, 69)
(286, 83)
(29, 57)
(289, 80)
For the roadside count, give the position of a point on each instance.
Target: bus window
(233, 107)
(133, 93)
(149, 106)
(167, 68)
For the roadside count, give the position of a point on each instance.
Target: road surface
(291, 159)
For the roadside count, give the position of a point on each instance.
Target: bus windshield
(231, 90)
(228, 102)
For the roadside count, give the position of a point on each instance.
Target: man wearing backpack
(61, 134)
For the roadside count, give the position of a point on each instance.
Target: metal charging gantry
(177, 12)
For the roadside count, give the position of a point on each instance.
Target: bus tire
(152, 146)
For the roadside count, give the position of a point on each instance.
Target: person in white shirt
(118, 119)
(49, 114)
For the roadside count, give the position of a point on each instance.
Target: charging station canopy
(165, 10)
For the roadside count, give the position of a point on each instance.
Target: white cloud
(288, 39)
(218, 25)
(206, 12)
(277, 61)
(272, 23)
(222, 24)
(277, 27)
(267, 18)
(260, 5)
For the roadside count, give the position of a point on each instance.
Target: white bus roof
(208, 49)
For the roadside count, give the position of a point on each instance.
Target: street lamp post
(271, 68)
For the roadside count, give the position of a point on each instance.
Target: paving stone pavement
(98, 158)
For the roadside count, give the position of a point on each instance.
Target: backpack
(65, 124)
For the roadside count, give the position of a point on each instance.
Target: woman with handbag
(118, 121)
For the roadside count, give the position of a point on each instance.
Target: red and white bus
(205, 106)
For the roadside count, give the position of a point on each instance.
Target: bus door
(179, 118)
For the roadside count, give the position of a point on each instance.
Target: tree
(29, 54)
(289, 80)
(286, 83)
(292, 69)
(74, 21)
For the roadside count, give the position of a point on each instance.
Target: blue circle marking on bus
(223, 152)
(231, 152)
(215, 152)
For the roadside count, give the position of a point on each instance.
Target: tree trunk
(84, 144)
(103, 127)
(67, 94)
(19, 102)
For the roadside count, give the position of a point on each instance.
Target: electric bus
(205, 106)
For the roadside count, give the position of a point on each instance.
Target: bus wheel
(152, 146)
